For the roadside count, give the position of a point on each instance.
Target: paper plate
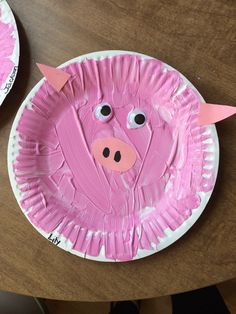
(9, 49)
(114, 167)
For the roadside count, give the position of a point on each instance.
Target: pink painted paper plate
(9, 50)
(114, 167)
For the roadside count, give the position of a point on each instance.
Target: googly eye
(136, 119)
(103, 112)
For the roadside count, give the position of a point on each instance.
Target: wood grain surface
(195, 36)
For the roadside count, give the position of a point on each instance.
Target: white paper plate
(170, 236)
(7, 17)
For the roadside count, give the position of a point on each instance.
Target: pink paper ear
(211, 113)
(57, 78)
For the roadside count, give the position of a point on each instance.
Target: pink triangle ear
(211, 113)
(57, 78)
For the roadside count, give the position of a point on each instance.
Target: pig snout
(114, 154)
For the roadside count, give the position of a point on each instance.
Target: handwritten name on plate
(54, 240)
(10, 81)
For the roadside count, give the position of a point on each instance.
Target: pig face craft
(115, 158)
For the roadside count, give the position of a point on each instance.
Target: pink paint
(114, 154)
(7, 43)
(66, 188)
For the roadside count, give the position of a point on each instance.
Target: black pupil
(139, 118)
(106, 110)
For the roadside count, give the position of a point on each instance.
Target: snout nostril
(117, 156)
(106, 152)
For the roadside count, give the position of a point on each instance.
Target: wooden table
(198, 38)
